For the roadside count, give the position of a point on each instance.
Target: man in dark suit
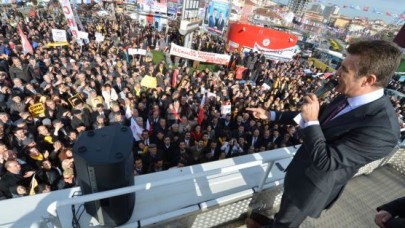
(100, 111)
(276, 139)
(254, 139)
(212, 19)
(220, 23)
(336, 137)
(118, 84)
(392, 214)
(211, 152)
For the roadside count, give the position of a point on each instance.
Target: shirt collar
(355, 102)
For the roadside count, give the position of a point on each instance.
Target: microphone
(329, 86)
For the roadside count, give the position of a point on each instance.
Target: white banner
(209, 95)
(99, 37)
(59, 35)
(201, 56)
(83, 35)
(70, 18)
(265, 86)
(225, 109)
(136, 51)
(280, 54)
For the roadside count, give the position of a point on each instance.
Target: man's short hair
(378, 57)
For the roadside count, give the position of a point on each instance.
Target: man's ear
(370, 80)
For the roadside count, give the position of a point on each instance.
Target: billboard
(273, 43)
(172, 9)
(216, 16)
(152, 6)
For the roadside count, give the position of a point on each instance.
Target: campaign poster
(217, 15)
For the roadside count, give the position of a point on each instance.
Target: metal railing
(54, 208)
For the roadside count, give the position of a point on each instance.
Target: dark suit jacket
(277, 140)
(256, 144)
(117, 88)
(332, 153)
(220, 24)
(395, 208)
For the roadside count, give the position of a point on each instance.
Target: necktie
(339, 108)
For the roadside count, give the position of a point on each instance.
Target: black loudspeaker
(104, 161)
(400, 38)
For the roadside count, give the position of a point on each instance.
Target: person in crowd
(138, 166)
(69, 180)
(149, 158)
(12, 178)
(49, 175)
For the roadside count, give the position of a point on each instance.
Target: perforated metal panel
(397, 161)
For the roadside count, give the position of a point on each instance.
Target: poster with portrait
(76, 100)
(216, 16)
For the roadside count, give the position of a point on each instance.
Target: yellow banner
(37, 109)
(57, 44)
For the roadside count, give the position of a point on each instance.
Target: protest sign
(59, 35)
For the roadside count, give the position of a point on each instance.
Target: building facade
(298, 7)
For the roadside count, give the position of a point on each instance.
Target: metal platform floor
(357, 205)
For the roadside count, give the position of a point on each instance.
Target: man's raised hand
(258, 113)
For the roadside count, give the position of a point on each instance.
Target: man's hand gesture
(259, 113)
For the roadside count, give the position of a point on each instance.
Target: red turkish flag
(239, 72)
(24, 41)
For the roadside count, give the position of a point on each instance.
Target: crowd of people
(99, 84)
